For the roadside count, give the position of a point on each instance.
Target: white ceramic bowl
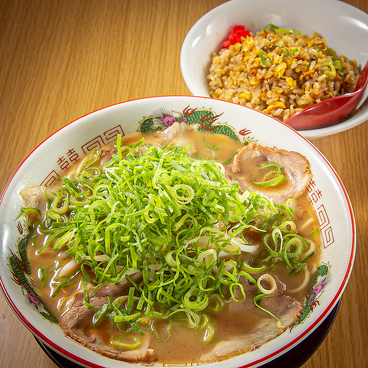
(100, 127)
(344, 27)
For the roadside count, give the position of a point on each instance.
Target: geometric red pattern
(326, 229)
(106, 137)
(99, 141)
(50, 179)
(327, 236)
(111, 134)
(96, 142)
(322, 216)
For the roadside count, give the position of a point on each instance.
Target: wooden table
(62, 59)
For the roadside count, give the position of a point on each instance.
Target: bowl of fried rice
(279, 57)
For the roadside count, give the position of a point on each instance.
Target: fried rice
(280, 73)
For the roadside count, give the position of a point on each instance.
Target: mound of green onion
(170, 219)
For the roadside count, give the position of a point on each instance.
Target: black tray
(294, 358)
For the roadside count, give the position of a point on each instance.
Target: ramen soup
(175, 247)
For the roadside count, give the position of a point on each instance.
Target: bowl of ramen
(279, 57)
(175, 230)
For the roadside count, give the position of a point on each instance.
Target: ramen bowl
(336, 21)
(43, 166)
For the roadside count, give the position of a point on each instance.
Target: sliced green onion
(245, 267)
(126, 346)
(314, 232)
(287, 30)
(333, 52)
(27, 209)
(277, 176)
(263, 56)
(270, 25)
(100, 316)
(206, 325)
(331, 66)
(211, 147)
(341, 66)
(257, 300)
(319, 50)
(168, 329)
(215, 302)
(272, 182)
(229, 159)
(291, 52)
(65, 283)
(269, 279)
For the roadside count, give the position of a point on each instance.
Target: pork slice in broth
(76, 323)
(35, 197)
(178, 133)
(247, 164)
(175, 134)
(249, 326)
(107, 153)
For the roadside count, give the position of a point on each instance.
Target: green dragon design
(321, 279)
(205, 120)
(20, 269)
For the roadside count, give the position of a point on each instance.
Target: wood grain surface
(62, 59)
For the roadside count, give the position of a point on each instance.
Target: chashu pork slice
(259, 327)
(296, 170)
(74, 320)
(176, 134)
(34, 197)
